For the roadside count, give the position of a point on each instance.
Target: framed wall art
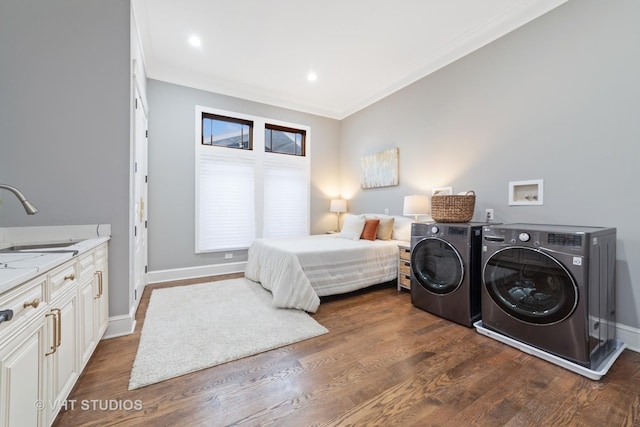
(380, 169)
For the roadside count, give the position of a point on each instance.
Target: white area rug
(188, 328)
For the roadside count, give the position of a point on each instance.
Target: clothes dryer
(445, 270)
(552, 287)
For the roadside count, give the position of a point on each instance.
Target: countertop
(19, 267)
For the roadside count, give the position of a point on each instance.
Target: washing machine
(551, 287)
(445, 270)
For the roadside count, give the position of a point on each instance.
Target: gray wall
(557, 99)
(172, 170)
(64, 119)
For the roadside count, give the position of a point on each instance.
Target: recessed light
(312, 77)
(195, 41)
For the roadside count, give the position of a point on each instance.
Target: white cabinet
(88, 339)
(94, 300)
(58, 319)
(62, 355)
(102, 295)
(21, 364)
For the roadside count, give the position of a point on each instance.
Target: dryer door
(530, 285)
(437, 266)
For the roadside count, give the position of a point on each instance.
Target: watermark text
(91, 405)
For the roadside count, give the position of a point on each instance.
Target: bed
(300, 270)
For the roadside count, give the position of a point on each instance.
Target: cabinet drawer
(405, 253)
(63, 277)
(405, 281)
(24, 301)
(87, 264)
(405, 267)
(101, 253)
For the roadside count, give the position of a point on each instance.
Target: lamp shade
(338, 205)
(415, 205)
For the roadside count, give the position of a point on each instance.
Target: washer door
(530, 285)
(437, 266)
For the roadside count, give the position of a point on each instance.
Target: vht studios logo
(92, 405)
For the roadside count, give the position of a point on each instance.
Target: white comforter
(299, 270)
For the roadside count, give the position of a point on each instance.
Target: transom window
(284, 140)
(229, 132)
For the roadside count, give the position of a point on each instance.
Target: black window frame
(301, 132)
(221, 118)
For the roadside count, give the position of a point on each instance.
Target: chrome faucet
(31, 210)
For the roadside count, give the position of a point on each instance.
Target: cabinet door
(22, 402)
(88, 326)
(102, 300)
(63, 361)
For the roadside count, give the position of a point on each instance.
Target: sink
(38, 246)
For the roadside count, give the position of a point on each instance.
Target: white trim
(628, 335)
(138, 92)
(161, 276)
(120, 326)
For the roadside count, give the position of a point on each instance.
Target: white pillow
(352, 227)
(401, 228)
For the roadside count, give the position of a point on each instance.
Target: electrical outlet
(386, 211)
(228, 256)
(488, 214)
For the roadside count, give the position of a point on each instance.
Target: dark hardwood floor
(384, 362)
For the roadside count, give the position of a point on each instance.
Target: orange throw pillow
(370, 229)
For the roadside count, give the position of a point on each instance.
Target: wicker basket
(457, 208)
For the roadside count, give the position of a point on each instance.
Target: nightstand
(404, 267)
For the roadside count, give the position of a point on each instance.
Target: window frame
(223, 118)
(301, 132)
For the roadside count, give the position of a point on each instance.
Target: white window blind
(286, 195)
(227, 201)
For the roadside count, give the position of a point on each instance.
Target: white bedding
(299, 270)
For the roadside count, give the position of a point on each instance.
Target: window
(259, 190)
(228, 132)
(280, 139)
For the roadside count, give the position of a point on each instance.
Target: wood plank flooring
(383, 363)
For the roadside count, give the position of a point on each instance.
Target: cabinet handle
(35, 303)
(70, 277)
(54, 347)
(100, 281)
(59, 323)
(99, 273)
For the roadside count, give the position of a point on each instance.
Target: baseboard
(124, 325)
(160, 276)
(630, 336)
(120, 326)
